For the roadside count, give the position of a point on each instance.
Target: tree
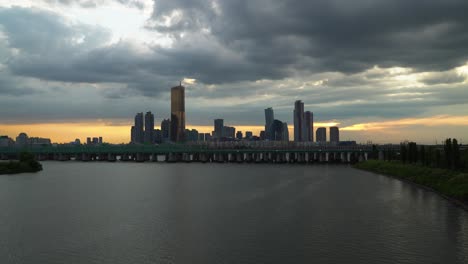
(422, 155)
(448, 153)
(404, 153)
(455, 154)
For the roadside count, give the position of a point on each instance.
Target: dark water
(223, 213)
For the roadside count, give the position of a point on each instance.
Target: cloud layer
(359, 61)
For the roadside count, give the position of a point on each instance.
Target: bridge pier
(111, 157)
(63, 157)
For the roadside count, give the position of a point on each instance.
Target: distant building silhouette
(269, 118)
(229, 132)
(178, 113)
(308, 131)
(298, 121)
(138, 129)
(321, 135)
(239, 135)
(248, 134)
(285, 132)
(22, 140)
(191, 135)
(277, 129)
(218, 128)
(334, 135)
(166, 129)
(158, 136)
(149, 128)
(262, 135)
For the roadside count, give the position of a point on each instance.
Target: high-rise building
(334, 135)
(191, 135)
(269, 117)
(166, 129)
(276, 130)
(5, 141)
(229, 132)
(239, 135)
(298, 121)
(139, 133)
(248, 134)
(149, 128)
(285, 132)
(208, 137)
(157, 136)
(308, 131)
(218, 128)
(132, 135)
(321, 135)
(201, 137)
(22, 139)
(178, 113)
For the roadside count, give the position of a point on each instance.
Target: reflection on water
(223, 213)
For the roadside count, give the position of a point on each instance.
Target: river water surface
(223, 213)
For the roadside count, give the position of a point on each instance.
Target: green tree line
(448, 157)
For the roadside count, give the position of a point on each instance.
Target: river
(119, 212)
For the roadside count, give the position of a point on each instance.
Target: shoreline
(457, 202)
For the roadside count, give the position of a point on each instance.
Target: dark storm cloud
(257, 53)
(339, 35)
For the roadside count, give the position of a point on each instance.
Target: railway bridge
(190, 153)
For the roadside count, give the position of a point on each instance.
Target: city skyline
(382, 80)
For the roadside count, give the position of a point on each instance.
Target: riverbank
(452, 185)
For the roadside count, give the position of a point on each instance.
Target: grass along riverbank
(449, 183)
(25, 164)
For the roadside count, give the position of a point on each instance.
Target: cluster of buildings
(173, 129)
(304, 127)
(23, 140)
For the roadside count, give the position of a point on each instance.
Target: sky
(383, 71)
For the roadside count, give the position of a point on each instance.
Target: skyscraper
(298, 120)
(139, 135)
(321, 135)
(149, 128)
(218, 128)
(239, 135)
(166, 129)
(334, 135)
(178, 113)
(277, 129)
(285, 132)
(269, 117)
(308, 131)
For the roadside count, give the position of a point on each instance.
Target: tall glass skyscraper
(269, 117)
(334, 134)
(178, 113)
(138, 129)
(321, 135)
(218, 128)
(149, 128)
(308, 131)
(298, 121)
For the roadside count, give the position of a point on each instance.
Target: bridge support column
(63, 157)
(111, 157)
